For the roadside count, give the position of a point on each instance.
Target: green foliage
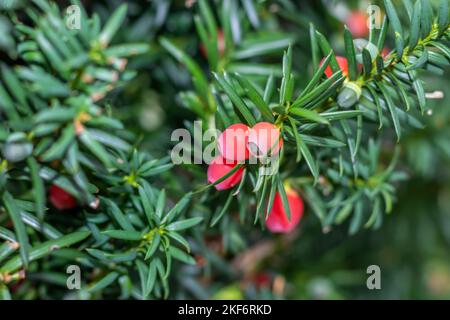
(140, 221)
(55, 104)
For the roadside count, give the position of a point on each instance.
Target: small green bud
(360, 45)
(17, 147)
(349, 95)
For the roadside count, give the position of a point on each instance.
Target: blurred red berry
(218, 168)
(201, 261)
(233, 143)
(262, 280)
(343, 64)
(61, 199)
(264, 138)
(385, 52)
(9, 223)
(220, 42)
(278, 221)
(357, 24)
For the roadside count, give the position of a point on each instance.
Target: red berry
(357, 24)
(278, 221)
(233, 143)
(61, 199)
(263, 138)
(9, 223)
(262, 280)
(218, 168)
(220, 45)
(385, 52)
(343, 64)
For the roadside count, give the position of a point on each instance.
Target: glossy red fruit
(220, 45)
(218, 168)
(61, 199)
(264, 138)
(232, 143)
(278, 221)
(343, 64)
(357, 24)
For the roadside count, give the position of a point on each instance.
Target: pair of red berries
(236, 144)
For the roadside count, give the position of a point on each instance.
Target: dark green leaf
(383, 32)
(314, 47)
(414, 33)
(95, 147)
(426, 18)
(184, 224)
(309, 159)
(309, 115)
(45, 248)
(339, 115)
(418, 88)
(19, 227)
(285, 93)
(269, 89)
(178, 208)
(356, 222)
(350, 54)
(118, 216)
(124, 234)
(367, 63)
(38, 187)
(297, 139)
(222, 211)
(326, 48)
(256, 98)
(443, 16)
(236, 99)
(397, 26)
(284, 199)
(199, 79)
(392, 109)
(61, 145)
(180, 255)
(104, 282)
(112, 25)
(154, 245)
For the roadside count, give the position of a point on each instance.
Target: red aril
(264, 139)
(343, 64)
(218, 168)
(61, 199)
(262, 280)
(232, 143)
(278, 221)
(357, 24)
